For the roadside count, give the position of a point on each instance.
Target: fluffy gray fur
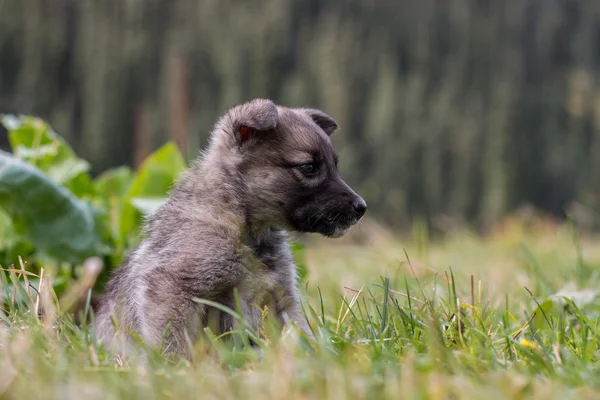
(224, 227)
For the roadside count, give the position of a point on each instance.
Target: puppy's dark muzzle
(339, 221)
(332, 211)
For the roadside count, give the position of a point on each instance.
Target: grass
(463, 318)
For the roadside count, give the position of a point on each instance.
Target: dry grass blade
(472, 295)
(92, 268)
(27, 285)
(39, 293)
(522, 329)
(407, 296)
(47, 305)
(19, 272)
(355, 297)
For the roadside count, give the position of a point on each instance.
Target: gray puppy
(268, 169)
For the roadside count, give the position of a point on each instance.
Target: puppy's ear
(251, 118)
(324, 121)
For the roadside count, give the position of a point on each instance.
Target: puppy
(268, 169)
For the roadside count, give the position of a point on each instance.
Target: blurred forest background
(450, 110)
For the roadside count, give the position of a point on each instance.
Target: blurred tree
(464, 109)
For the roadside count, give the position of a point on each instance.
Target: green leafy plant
(52, 211)
(57, 223)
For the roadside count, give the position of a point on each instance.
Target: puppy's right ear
(251, 118)
(323, 120)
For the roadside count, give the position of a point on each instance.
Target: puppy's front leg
(288, 309)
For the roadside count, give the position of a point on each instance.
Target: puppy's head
(290, 168)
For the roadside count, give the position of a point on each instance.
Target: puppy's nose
(360, 207)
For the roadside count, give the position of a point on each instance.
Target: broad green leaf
(12, 244)
(50, 216)
(158, 172)
(544, 313)
(113, 183)
(6, 232)
(155, 178)
(110, 189)
(34, 141)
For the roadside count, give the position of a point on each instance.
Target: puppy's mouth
(334, 226)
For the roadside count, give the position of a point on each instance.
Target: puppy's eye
(308, 169)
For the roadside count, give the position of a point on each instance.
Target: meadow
(514, 314)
